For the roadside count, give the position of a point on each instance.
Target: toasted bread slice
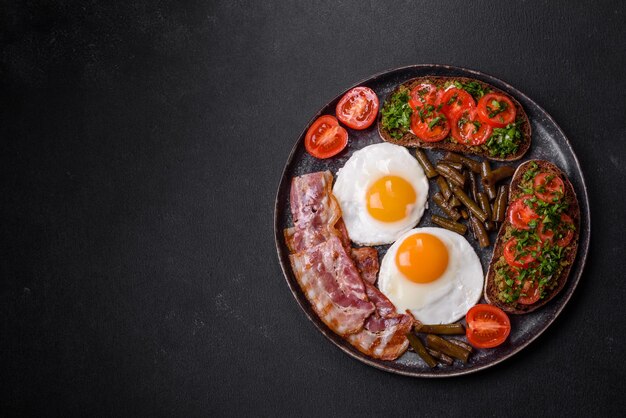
(410, 140)
(491, 288)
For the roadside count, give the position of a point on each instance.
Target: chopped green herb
(396, 114)
(504, 141)
(474, 88)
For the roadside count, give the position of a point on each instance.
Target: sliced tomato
(564, 231)
(455, 101)
(325, 137)
(424, 94)
(496, 109)
(487, 326)
(431, 127)
(548, 187)
(358, 108)
(468, 129)
(520, 213)
(530, 293)
(521, 260)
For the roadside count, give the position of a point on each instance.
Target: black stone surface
(141, 148)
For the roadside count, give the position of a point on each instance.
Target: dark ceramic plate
(548, 143)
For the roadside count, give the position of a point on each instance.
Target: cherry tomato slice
(531, 292)
(520, 214)
(455, 101)
(358, 108)
(468, 129)
(431, 128)
(564, 231)
(496, 109)
(325, 137)
(424, 94)
(487, 326)
(514, 259)
(548, 187)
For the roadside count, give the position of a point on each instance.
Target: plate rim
(582, 250)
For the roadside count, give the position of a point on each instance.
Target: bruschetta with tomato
(456, 114)
(537, 243)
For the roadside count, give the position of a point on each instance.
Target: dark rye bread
(491, 290)
(412, 141)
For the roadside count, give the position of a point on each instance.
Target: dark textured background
(141, 149)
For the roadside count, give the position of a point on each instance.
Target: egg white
(444, 300)
(354, 179)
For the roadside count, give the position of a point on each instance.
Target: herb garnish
(504, 141)
(396, 114)
(474, 88)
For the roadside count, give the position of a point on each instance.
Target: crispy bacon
(331, 282)
(384, 333)
(339, 280)
(315, 211)
(366, 260)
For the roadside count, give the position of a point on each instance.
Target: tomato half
(520, 214)
(358, 108)
(455, 101)
(424, 94)
(564, 231)
(496, 109)
(514, 259)
(468, 129)
(325, 137)
(531, 292)
(431, 128)
(548, 187)
(487, 326)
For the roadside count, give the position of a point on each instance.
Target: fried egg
(382, 191)
(432, 272)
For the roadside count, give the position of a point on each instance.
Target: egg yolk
(389, 198)
(422, 258)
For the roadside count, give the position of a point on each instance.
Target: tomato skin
(465, 131)
(532, 292)
(424, 132)
(423, 94)
(487, 326)
(456, 101)
(501, 119)
(513, 259)
(564, 229)
(520, 214)
(548, 189)
(325, 138)
(358, 108)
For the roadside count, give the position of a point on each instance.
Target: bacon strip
(384, 333)
(314, 209)
(331, 282)
(366, 260)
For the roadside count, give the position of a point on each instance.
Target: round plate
(548, 143)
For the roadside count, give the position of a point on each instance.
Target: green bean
(425, 163)
(419, 348)
(471, 165)
(480, 232)
(501, 202)
(444, 187)
(447, 360)
(483, 201)
(443, 329)
(445, 347)
(462, 344)
(445, 206)
(485, 170)
(449, 224)
(453, 157)
(456, 166)
(451, 174)
(454, 202)
(497, 175)
(473, 186)
(469, 204)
